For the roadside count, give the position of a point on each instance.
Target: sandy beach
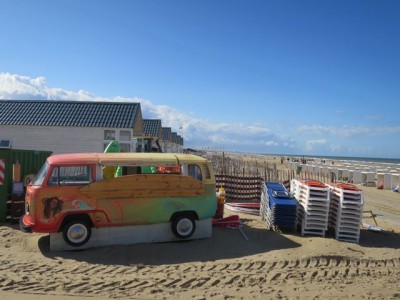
(266, 265)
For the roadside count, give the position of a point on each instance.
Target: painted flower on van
(80, 204)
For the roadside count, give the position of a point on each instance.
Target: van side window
(70, 175)
(195, 172)
(208, 173)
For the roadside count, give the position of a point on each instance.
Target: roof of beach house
(180, 140)
(166, 133)
(152, 127)
(70, 113)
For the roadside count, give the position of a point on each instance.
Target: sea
(395, 161)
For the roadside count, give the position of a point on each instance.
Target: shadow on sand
(374, 239)
(224, 244)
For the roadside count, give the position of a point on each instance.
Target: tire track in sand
(128, 281)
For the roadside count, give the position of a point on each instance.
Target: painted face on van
(52, 207)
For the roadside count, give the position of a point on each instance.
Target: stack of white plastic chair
(265, 212)
(346, 210)
(313, 210)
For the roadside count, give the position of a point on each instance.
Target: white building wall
(176, 148)
(56, 139)
(166, 147)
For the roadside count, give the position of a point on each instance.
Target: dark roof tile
(152, 127)
(68, 113)
(166, 133)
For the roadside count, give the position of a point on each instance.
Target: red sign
(2, 170)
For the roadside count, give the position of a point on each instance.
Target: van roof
(125, 159)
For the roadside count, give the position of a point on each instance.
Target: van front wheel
(183, 226)
(76, 233)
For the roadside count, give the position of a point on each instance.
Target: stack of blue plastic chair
(280, 208)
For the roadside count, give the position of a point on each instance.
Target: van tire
(183, 226)
(77, 233)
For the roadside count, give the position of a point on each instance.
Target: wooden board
(141, 185)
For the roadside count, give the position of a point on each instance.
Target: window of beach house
(125, 147)
(109, 135)
(124, 135)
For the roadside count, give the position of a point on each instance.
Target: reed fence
(242, 179)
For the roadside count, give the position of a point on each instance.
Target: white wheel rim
(184, 227)
(77, 233)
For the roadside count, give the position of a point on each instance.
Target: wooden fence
(243, 179)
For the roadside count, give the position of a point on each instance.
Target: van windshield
(38, 181)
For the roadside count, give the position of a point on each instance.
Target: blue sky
(284, 77)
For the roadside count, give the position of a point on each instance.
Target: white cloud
(271, 143)
(13, 86)
(201, 133)
(372, 117)
(16, 86)
(194, 130)
(312, 144)
(361, 151)
(347, 131)
(334, 148)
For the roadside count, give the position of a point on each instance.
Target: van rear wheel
(77, 233)
(183, 226)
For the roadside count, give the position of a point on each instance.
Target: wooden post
(223, 163)
(265, 171)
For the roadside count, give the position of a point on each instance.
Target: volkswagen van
(73, 193)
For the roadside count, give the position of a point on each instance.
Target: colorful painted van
(72, 193)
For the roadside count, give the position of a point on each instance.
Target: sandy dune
(269, 265)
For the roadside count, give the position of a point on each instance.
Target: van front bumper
(23, 226)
